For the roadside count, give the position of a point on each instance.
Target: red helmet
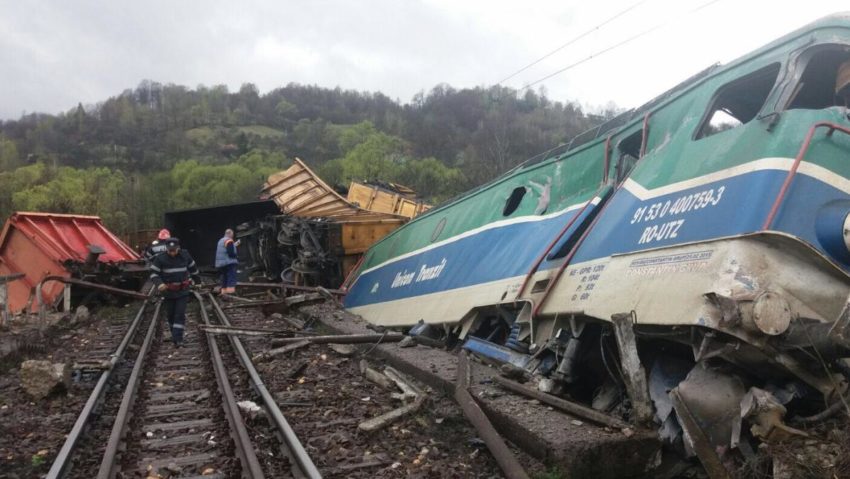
(164, 234)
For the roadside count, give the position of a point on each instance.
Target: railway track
(173, 412)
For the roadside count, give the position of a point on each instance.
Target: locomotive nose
(832, 228)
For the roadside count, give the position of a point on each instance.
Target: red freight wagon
(47, 244)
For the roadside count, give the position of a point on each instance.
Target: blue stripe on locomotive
(741, 208)
(812, 210)
(489, 255)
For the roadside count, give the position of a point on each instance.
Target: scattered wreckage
(49, 259)
(684, 267)
(302, 231)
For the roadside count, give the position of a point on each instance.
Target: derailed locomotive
(687, 262)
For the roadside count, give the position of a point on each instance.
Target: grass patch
(554, 472)
(209, 134)
(203, 134)
(260, 130)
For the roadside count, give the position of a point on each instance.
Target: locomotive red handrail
(605, 166)
(567, 260)
(793, 171)
(574, 249)
(555, 241)
(345, 286)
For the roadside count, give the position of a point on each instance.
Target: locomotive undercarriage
(754, 367)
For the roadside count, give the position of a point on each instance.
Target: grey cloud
(56, 54)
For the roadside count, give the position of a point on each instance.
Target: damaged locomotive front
(684, 266)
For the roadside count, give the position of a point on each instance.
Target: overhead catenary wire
(617, 45)
(573, 40)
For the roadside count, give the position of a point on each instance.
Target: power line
(571, 41)
(616, 45)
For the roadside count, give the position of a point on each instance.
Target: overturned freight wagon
(37, 246)
(301, 230)
(687, 263)
(367, 214)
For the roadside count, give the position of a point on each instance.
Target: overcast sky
(54, 54)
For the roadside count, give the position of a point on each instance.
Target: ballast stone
(82, 314)
(40, 378)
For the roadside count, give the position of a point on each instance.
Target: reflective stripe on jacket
(174, 272)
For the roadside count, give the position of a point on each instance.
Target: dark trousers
(175, 312)
(228, 276)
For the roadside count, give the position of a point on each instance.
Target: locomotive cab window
(738, 102)
(628, 154)
(825, 81)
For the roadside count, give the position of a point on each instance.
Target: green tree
(377, 157)
(431, 179)
(9, 158)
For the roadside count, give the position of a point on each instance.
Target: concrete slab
(577, 447)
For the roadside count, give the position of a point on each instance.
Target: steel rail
(63, 459)
(107, 464)
(296, 449)
(251, 465)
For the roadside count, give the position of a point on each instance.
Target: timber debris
(411, 395)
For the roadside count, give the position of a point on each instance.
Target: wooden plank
(174, 426)
(180, 461)
(165, 396)
(154, 444)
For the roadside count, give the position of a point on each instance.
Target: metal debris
(634, 372)
(697, 439)
(765, 413)
(344, 339)
(230, 330)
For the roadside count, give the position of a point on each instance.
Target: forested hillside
(161, 147)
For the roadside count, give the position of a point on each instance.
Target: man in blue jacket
(226, 260)
(172, 275)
